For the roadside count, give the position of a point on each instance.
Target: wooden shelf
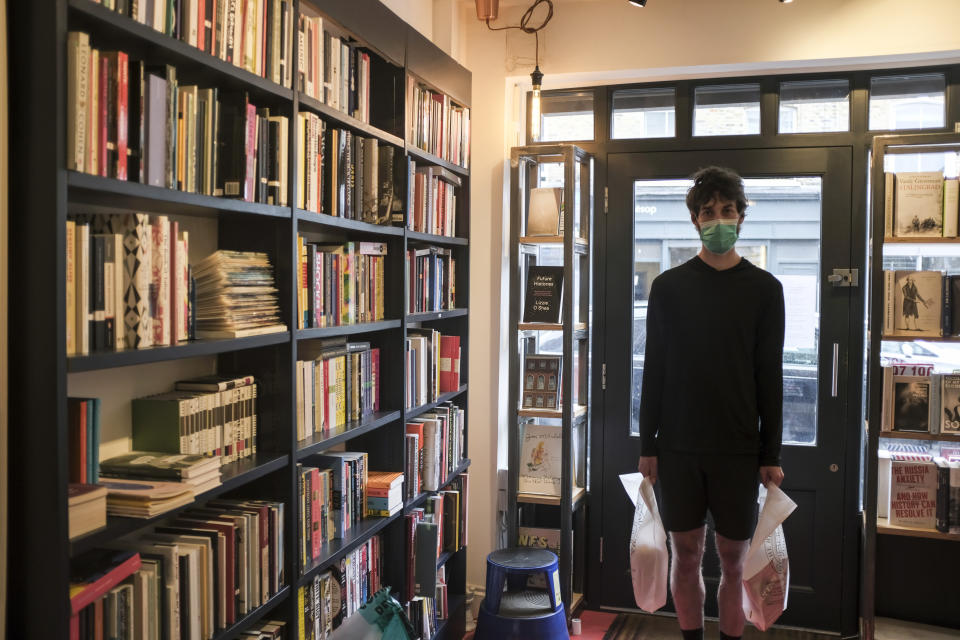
(321, 442)
(252, 617)
(921, 240)
(579, 493)
(347, 121)
(444, 397)
(578, 242)
(429, 158)
(346, 329)
(906, 338)
(436, 315)
(232, 475)
(97, 194)
(549, 326)
(336, 222)
(578, 412)
(432, 238)
(115, 31)
(339, 547)
(885, 528)
(907, 435)
(575, 604)
(195, 348)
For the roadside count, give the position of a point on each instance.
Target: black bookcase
(45, 194)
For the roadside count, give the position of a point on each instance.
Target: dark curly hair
(710, 182)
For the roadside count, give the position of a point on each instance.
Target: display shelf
(321, 442)
(195, 348)
(444, 397)
(346, 329)
(237, 628)
(432, 238)
(129, 35)
(335, 222)
(885, 528)
(891, 240)
(424, 156)
(232, 475)
(578, 243)
(347, 121)
(579, 493)
(579, 329)
(339, 547)
(436, 315)
(888, 338)
(578, 412)
(907, 435)
(95, 194)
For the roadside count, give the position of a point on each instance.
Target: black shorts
(692, 484)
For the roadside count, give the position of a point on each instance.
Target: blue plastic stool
(520, 613)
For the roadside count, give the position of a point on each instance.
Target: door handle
(836, 369)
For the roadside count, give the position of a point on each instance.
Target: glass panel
(644, 113)
(566, 116)
(727, 110)
(814, 105)
(908, 102)
(782, 235)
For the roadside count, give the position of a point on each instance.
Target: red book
(449, 363)
(123, 88)
(201, 25)
(77, 410)
(315, 511)
(251, 150)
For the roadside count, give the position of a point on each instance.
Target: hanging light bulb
(535, 116)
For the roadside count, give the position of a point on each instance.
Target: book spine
(71, 285)
(122, 117)
(943, 496)
(946, 309)
(78, 79)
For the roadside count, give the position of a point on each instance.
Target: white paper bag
(649, 559)
(766, 572)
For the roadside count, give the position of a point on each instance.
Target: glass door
(798, 228)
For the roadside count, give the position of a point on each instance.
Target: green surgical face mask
(719, 236)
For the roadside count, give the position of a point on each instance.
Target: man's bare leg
(730, 594)
(686, 578)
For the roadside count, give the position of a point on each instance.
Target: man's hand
(769, 474)
(648, 467)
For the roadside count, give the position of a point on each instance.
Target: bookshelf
(46, 194)
(565, 509)
(882, 541)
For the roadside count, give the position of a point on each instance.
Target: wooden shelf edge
(579, 242)
(426, 156)
(577, 601)
(449, 395)
(348, 121)
(579, 493)
(884, 528)
(923, 240)
(437, 239)
(549, 326)
(437, 315)
(311, 446)
(906, 435)
(252, 617)
(898, 338)
(336, 222)
(557, 414)
(346, 329)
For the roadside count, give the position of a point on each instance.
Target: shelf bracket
(603, 376)
(606, 200)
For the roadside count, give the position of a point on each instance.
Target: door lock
(844, 278)
(834, 467)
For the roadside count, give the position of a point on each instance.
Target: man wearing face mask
(711, 404)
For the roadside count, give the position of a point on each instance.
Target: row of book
(340, 284)
(337, 500)
(920, 204)
(337, 384)
(253, 34)
(434, 448)
(432, 279)
(197, 574)
(433, 198)
(131, 122)
(920, 304)
(919, 490)
(214, 416)
(437, 124)
(342, 174)
(129, 283)
(337, 593)
(432, 363)
(332, 68)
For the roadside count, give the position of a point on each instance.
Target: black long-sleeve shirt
(713, 370)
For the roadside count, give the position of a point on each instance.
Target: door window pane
(727, 110)
(782, 235)
(908, 102)
(566, 115)
(814, 106)
(644, 113)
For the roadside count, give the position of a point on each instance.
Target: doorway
(799, 228)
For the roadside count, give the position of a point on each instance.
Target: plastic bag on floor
(382, 618)
(649, 558)
(766, 572)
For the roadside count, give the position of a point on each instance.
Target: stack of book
(384, 493)
(340, 284)
(129, 282)
(131, 498)
(437, 124)
(87, 507)
(432, 278)
(254, 35)
(432, 364)
(434, 447)
(339, 383)
(131, 122)
(236, 296)
(434, 200)
(198, 472)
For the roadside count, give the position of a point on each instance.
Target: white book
(917, 301)
(951, 198)
(541, 459)
(83, 288)
(78, 61)
(913, 494)
(918, 209)
(889, 179)
(883, 483)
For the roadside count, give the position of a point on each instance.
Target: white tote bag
(649, 558)
(766, 572)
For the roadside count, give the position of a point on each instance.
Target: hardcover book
(916, 303)
(913, 493)
(949, 403)
(544, 296)
(911, 403)
(541, 459)
(545, 217)
(918, 207)
(541, 381)
(150, 464)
